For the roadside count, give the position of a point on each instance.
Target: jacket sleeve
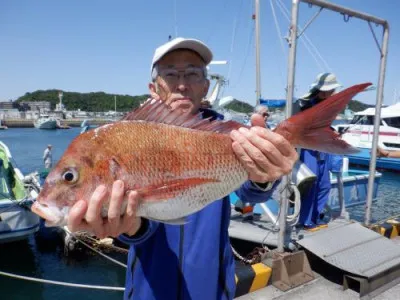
(252, 193)
(145, 232)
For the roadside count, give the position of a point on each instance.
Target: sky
(98, 45)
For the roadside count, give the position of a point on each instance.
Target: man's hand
(87, 216)
(381, 153)
(266, 156)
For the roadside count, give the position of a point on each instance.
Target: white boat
(16, 220)
(45, 122)
(359, 133)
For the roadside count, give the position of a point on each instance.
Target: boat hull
(16, 223)
(46, 124)
(363, 158)
(355, 186)
(16, 220)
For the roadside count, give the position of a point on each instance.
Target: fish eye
(70, 176)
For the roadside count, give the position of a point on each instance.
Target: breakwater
(23, 123)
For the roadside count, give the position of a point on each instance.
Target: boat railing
(292, 41)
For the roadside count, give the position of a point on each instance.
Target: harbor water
(43, 257)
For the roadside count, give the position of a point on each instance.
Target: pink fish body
(177, 162)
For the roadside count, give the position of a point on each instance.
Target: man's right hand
(87, 216)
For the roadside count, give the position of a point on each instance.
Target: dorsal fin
(159, 112)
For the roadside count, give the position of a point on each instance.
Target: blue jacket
(191, 261)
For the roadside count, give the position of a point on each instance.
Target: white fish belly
(195, 198)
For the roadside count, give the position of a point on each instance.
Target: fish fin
(310, 129)
(159, 112)
(115, 168)
(170, 189)
(179, 221)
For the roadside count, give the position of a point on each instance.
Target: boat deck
(361, 254)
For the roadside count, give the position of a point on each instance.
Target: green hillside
(100, 101)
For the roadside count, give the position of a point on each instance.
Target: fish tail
(310, 129)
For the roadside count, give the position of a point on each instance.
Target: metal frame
(290, 88)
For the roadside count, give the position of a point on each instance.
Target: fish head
(75, 177)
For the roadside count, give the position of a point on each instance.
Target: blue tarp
(273, 102)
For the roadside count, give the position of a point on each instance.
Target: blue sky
(98, 45)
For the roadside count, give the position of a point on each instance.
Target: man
(194, 260)
(380, 152)
(313, 204)
(48, 157)
(263, 111)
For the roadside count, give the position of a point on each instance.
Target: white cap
(324, 82)
(182, 43)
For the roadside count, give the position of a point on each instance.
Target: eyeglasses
(191, 75)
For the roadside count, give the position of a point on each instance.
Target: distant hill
(97, 101)
(100, 101)
(239, 106)
(244, 107)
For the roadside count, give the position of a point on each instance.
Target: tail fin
(310, 129)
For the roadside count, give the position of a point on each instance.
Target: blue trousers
(316, 199)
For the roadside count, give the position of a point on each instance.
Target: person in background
(263, 111)
(193, 260)
(247, 208)
(318, 162)
(48, 157)
(386, 153)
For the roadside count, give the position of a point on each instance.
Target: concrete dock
(319, 288)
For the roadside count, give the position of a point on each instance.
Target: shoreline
(22, 123)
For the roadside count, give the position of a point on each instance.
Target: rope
(234, 31)
(98, 252)
(306, 40)
(175, 20)
(278, 30)
(251, 35)
(98, 287)
(245, 260)
(112, 246)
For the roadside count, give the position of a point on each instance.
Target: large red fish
(177, 162)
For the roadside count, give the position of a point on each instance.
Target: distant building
(9, 114)
(7, 105)
(36, 105)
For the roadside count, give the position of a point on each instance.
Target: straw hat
(324, 82)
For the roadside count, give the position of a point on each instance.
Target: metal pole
(289, 99)
(346, 11)
(115, 104)
(258, 75)
(343, 213)
(379, 100)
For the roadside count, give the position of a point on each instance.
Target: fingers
(257, 120)
(130, 222)
(114, 210)
(265, 155)
(277, 140)
(93, 214)
(87, 216)
(76, 217)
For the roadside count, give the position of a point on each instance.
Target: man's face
(264, 113)
(180, 81)
(322, 95)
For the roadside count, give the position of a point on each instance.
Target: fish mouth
(52, 214)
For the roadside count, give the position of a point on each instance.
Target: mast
(258, 76)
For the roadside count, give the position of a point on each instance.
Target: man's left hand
(266, 155)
